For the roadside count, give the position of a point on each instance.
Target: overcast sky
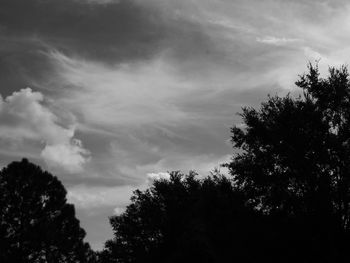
(108, 94)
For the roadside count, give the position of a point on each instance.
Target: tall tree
(293, 159)
(36, 222)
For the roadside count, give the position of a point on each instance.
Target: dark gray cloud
(111, 32)
(21, 59)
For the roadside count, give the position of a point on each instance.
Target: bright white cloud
(157, 176)
(71, 155)
(23, 115)
(277, 41)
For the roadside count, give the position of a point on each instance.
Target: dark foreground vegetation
(287, 198)
(36, 223)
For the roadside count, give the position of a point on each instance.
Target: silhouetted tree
(185, 219)
(293, 163)
(36, 223)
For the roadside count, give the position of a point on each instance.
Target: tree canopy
(294, 160)
(36, 222)
(185, 219)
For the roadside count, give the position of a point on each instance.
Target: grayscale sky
(110, 94)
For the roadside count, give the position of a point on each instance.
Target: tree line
(286, 198)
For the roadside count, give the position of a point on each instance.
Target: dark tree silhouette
(36, 223)
(185, 219)
(294, 163)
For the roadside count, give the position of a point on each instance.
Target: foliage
(294, 160)
(185, 219)
(36, 223)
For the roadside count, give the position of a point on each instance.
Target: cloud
(139, 117)
(71, 155)
(87, 197)
(278, 41)
(23, 116)
(103, 30)
(118, 211)
(312, 54)
(149, 86)
(128, 94)
(157, 176)
(21, 62)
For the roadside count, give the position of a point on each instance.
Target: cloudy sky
(108, 94)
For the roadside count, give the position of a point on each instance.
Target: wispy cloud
(128, 94)
(278, 41)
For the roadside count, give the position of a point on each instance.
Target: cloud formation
(148, 86)
(85, 197)
(107, 30)
(23, 116)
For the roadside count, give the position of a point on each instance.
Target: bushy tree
(294, 161)
(36, 222)
(185, 219)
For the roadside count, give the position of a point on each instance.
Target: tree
(185, 219)
(293, 161)
(36, 222)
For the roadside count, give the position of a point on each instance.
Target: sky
(109, 95)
